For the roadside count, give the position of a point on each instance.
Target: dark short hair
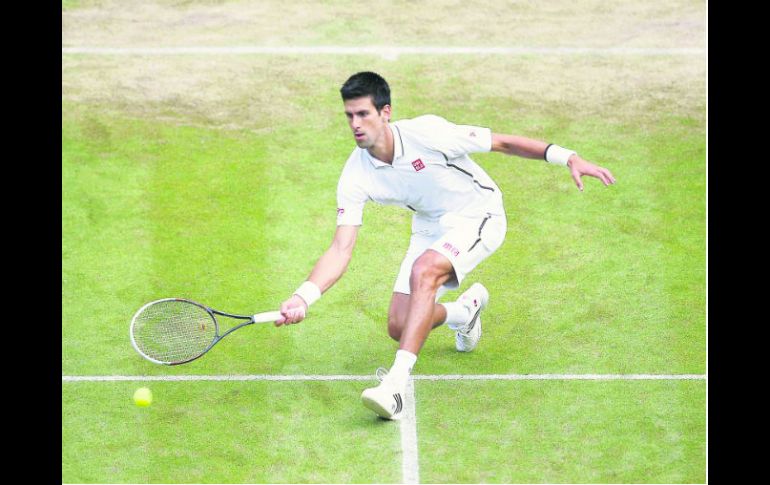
(367, 84)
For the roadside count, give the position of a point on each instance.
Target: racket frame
(250, 319)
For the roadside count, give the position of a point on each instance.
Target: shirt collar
(398, 143)
(398, 149)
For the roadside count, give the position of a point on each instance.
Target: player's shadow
(367, 420)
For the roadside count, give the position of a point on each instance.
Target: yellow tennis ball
(143, 397)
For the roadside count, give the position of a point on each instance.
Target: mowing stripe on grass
(408, 422)
(446, 377)
(389, 52)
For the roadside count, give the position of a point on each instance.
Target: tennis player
(458, 221)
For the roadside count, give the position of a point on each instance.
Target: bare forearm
(529, 148)
(329, 268)
(519, 146)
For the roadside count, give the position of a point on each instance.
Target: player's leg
(444, 264)
(399, 309)
(386, 399)
(464, 244)
(429, 272)
(399, 302)
(467, 244)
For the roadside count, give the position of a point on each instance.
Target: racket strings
(174, 331)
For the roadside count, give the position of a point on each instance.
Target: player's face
(365, 122)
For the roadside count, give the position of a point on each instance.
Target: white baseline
(388, 52)
(418, 377)
(408, 423)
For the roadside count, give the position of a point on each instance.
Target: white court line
(408, 423)
(410, 470)
(388, 52)
(440, 377)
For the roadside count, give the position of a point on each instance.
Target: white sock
(402, 367)
(456, 314)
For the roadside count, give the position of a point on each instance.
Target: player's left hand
(579, 167)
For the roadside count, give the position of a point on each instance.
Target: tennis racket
(175, 331)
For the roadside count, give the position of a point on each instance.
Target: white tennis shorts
(465, 241)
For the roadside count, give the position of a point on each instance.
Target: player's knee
(395, 327)
(426, 273)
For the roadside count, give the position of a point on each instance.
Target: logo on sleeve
(340, 211)
(418, 165)
(472, 134)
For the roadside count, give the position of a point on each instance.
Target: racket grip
(267, 317)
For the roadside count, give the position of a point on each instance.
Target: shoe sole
(378, 409)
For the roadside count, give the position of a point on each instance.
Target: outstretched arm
(327, 270)
(536, 149)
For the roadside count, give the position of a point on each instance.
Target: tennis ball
(143, 397)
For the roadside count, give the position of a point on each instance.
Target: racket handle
(267, 317)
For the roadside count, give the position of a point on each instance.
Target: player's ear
(386, 111)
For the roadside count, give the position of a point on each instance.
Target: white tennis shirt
(431, 174)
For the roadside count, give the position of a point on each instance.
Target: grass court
(213, 177)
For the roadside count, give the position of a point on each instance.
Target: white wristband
(557, 155)
(309, 292)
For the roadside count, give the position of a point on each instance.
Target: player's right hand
(293, 310)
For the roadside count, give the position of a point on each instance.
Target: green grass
(214, 178)
(556, 432)
(153, 210)
(237, 432)
(609, 280)
(469, 432)
(593, 23)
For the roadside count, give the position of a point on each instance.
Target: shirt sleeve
(457, 140)
(351, 198)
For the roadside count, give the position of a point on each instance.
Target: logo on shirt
(418, 165)
(452, 250)
(472, 134)
(340, 211)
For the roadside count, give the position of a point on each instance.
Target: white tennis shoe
(474, 299)
(386, 400)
